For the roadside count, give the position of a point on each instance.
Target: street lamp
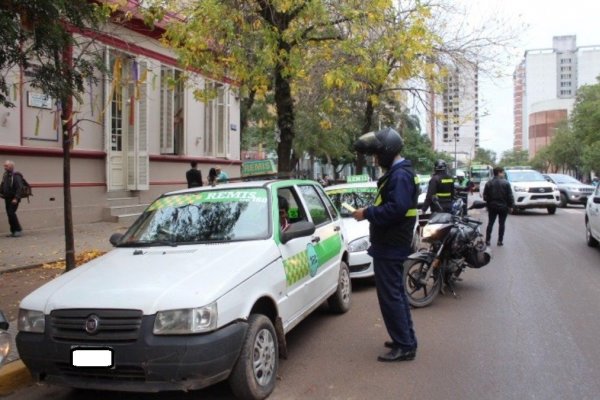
(455, 158)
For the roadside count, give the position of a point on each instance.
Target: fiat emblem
(92, 324)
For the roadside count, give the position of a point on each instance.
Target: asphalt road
(525, 327)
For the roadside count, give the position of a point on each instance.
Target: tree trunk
(67, 138)
(285, 122)
(367, 123)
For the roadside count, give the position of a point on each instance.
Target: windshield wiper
(150, 243)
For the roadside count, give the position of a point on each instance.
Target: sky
(538, 22)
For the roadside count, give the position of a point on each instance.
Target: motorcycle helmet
(440, 165)
(386, 144)
(460, 174)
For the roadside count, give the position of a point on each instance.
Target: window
(171, 111)
(216, 122)
(316, 208)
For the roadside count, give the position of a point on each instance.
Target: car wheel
(551, 210)
(340, 301)
(563, 200)
(588, 235)
(255, 372)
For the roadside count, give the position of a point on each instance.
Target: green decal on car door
(307, 262)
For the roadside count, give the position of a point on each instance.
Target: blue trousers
(394, 303)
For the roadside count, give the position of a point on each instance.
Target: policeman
(463, 186)
(441, 186)
(392, 218)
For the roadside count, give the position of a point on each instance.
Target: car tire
(255, 372)
(588, 235)
(551, 210)
(563, 200)
(341, 300)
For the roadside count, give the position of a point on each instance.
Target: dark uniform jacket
(442, 186)
(11, 185)
(194, 178)
(393, 216)
(498, 194)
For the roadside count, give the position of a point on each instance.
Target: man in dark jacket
(500, 201)
(392, 219)
(441, 186)
(194, 176)
(10, 191)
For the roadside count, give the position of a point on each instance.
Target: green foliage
(514, 157)
(484, 156)
(35, 36)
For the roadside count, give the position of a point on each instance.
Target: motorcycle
(455, 243)
(5, 339)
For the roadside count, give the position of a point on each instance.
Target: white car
(592, 218)
(358, 195)
(202, 288)
(531, 190)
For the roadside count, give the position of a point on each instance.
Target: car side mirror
(297, 230)
(115, 238)
(3, 322)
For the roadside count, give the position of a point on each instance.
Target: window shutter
(166, 111)
(143, 160)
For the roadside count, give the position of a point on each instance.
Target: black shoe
(389, 344)
(500, 243)
(398, 354)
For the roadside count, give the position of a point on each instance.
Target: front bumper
(577, 197)
(148, 364)
(360, 265)
(533, 200)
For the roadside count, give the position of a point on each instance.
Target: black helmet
(440, 165)
(386, 144)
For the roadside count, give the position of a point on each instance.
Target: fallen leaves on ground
(80, 259)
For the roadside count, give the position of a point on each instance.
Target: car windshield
(200, 217)
(525, 176)
(357, 197)
(559, 179)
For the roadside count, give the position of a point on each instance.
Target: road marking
(573, 210)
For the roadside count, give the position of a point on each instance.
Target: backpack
(25, 188)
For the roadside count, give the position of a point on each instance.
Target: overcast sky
(541, 20)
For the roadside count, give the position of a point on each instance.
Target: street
(525, 326)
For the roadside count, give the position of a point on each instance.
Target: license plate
(94, 357)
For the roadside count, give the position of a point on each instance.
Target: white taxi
(359, 195)
(203, 287)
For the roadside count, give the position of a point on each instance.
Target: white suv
(592, 218)
(532, 190)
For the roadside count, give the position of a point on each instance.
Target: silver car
(592, 218)
(571, 190)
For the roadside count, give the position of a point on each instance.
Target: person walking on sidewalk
(10, 190)
(499, 198)
(392, 218)
(194, 175)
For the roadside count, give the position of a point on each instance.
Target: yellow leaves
(80, 259)
(325, 124)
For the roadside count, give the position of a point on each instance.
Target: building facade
(453, 117)
(136, 130)
(519, 93)
(551, 79)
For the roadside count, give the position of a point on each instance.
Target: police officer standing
(441, 186)
(392, 218)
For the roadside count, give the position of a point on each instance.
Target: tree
(484, 156)
(585, 123)
(514, 157)
(38, 39)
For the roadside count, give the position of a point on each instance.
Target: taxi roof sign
(358, 178)
(258, 168)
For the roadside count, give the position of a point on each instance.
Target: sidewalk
(34, 248)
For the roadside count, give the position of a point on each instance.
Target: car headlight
(572, 189)
(4, 346)
(520, 188)
(31, 321)
(186, 321)
(360, 244)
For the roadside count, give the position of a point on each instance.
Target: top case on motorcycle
(440, 218)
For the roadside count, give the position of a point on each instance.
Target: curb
(13, 376)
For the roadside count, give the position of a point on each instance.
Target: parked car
(532, 190)
(202, 288)
(571, 190)
(5, 338)
(592, 218)
(358, 195)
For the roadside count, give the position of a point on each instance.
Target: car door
(326, 246)
(594, 213)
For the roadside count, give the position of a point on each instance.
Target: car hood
(160, 278)
(576, 185)
(354, 229)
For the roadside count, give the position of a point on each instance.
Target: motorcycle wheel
(420, 294)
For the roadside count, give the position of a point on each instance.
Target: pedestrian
(194, 175)
(462, 187)
(284, 207)
(212, 177)
(441, 186)
(222, 176)
(498, 195)
(392, 218)
(10, 191)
